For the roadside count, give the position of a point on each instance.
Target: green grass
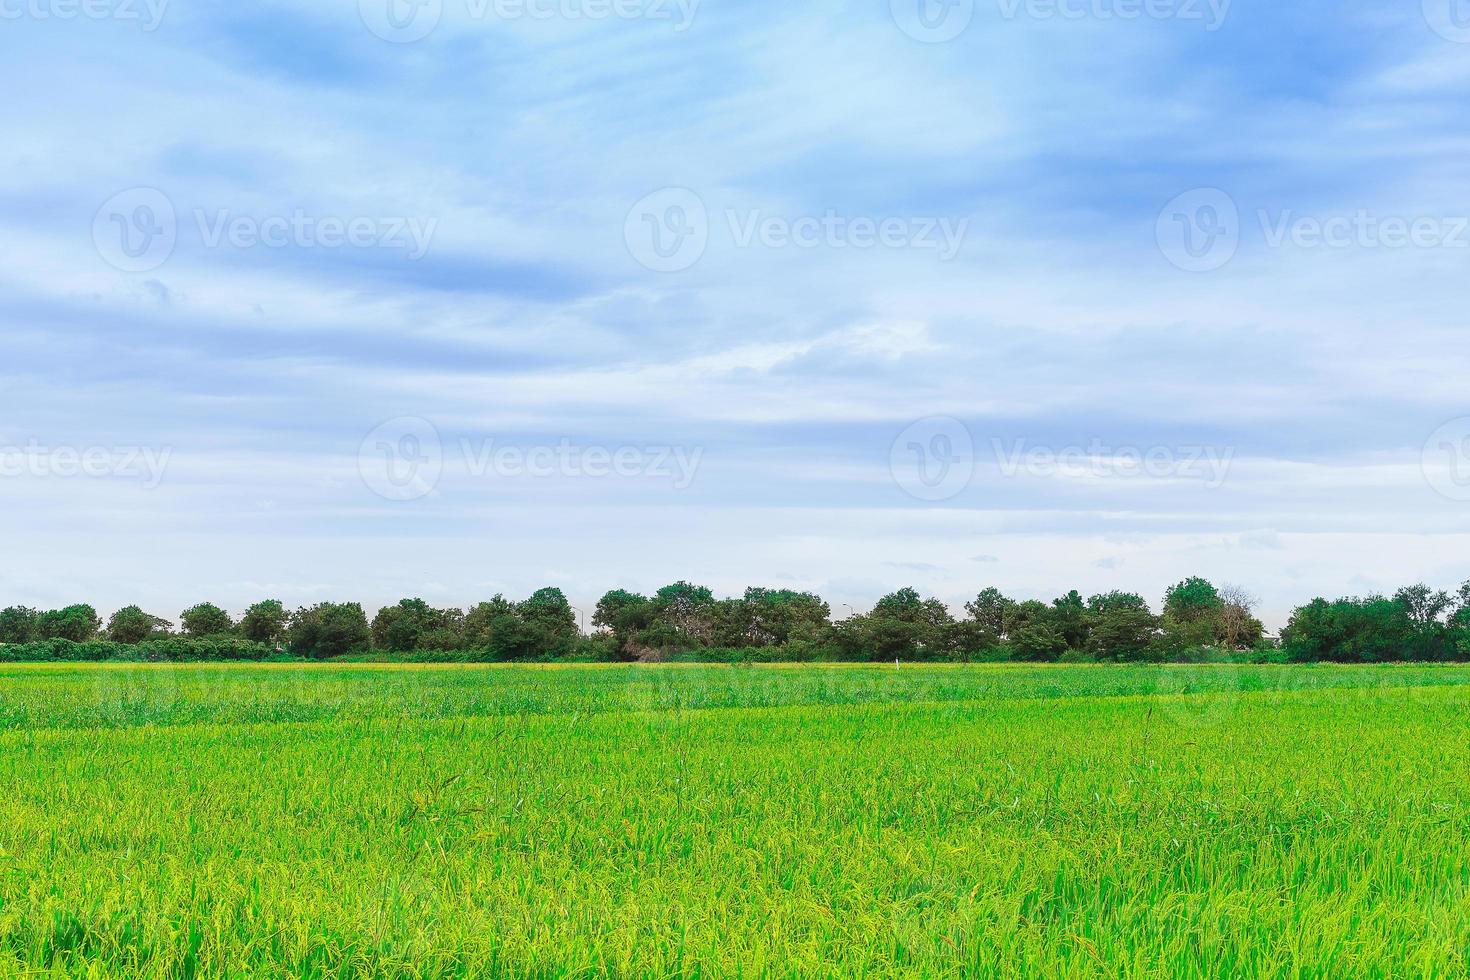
(661, 821)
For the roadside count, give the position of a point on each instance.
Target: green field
(663, 821)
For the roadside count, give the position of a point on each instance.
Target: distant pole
(584, 618)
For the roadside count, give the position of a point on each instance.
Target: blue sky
(351, 301)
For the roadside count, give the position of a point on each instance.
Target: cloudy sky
(328, 299)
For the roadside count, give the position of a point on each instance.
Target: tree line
(1198, 621)
(543, 626)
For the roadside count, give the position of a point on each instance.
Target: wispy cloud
(879, 232)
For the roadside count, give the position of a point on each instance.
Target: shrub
(166, 649)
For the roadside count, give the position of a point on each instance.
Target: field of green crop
(365, 821)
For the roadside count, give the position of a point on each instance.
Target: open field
(1055, 821)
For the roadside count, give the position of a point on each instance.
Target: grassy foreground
(650, 821)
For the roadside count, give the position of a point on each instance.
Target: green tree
(132, 625)
(1425, 608)
(1371, 630)
(624, 615)
(264, 622)
(78, 623)
(1038, 640)
(621, 611)
(329, 629)
(1068, 617)
(732, 624)
(19, 624)
(768, 618)
(992, 610)
(206, 619)
(1457, 630)
(1192, 601)
(902, 625)
(1024, 614)
(682, 616)
(401, 628)
(482, 624)
(1121, 626)
(550, 622)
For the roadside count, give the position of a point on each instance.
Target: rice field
(1058, 821)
